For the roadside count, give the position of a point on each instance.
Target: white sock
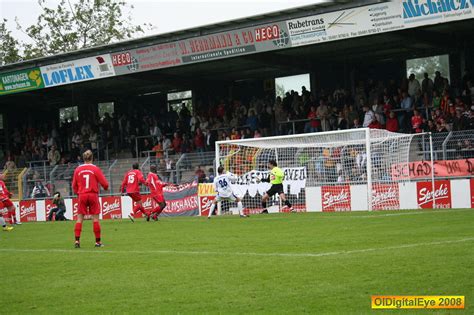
(213, 206)
(240, 207)
(2, 222)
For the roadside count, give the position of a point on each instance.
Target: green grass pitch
(324, 263)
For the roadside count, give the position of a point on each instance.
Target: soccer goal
(342, 170)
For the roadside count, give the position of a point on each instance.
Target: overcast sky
(164, 15)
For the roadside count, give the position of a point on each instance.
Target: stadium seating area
(406, 106)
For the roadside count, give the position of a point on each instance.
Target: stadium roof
(322, 7)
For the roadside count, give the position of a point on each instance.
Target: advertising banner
(375, 19)
(197, 49)
(385, 197)
(181, 200)
(111, 207)
(442, 168)
(48, 205)
(21, 81)
(206, 194)
(441, 194)
(27, 210)
(77, 71)
(336, 198)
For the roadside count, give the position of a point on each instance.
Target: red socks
(97, 231)
(78, 230)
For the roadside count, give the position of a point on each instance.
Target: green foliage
(8, 46)
(78, 25)
(229, 265)
(429, 65)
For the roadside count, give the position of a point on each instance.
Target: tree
(8, 46)
(73, 26)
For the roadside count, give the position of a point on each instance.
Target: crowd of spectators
(408, 106)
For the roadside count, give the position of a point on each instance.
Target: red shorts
(88, 204)
(135, 196)
(159, 198)
(7, 203)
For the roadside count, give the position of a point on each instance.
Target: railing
(293, 123)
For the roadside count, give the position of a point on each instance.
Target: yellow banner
(417, 301)
(206, 190)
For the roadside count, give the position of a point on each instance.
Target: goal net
(340, 163)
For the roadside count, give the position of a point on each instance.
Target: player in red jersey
(5, 196)
(156, 189)
(85, 183)
(131, 182)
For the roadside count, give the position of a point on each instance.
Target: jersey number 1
(87, 179)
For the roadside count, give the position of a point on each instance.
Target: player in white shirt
(223, 186)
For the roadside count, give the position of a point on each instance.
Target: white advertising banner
(76, 71)
(375, 19)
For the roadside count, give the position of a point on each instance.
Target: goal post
(352, 169)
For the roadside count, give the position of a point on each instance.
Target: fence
(453, 153)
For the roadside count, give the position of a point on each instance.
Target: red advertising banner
(442, 168)
(75, 208)
(27, 210)
(205, 203)
(148, 204)
(47, 208)
(441, 194)
(111, 207)
(336, 198)
(385, 197)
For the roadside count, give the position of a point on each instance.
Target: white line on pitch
(322, 254)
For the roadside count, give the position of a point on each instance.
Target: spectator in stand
(427, 86)
(323, 115)
(430, 126)
(200, 174)
(407, 106)
(470, 119)
(10, 164)
(352, 115)
(378, 110)
(441, 126)
(416, 122)
(438, 82)
(234, 134)
(314, 124)
(413, 86)
(436, 100)
(199, 141)
(53, 156)
(356, 123)
(392, 122)
(459, 121)
(369, 116)
(158, 149)
(176, 144)
(39, 191)
(341, 121)
(155, 131)
(252, 120)
(257, 134)
(445, 100)
(186, 145)
(375, 124)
